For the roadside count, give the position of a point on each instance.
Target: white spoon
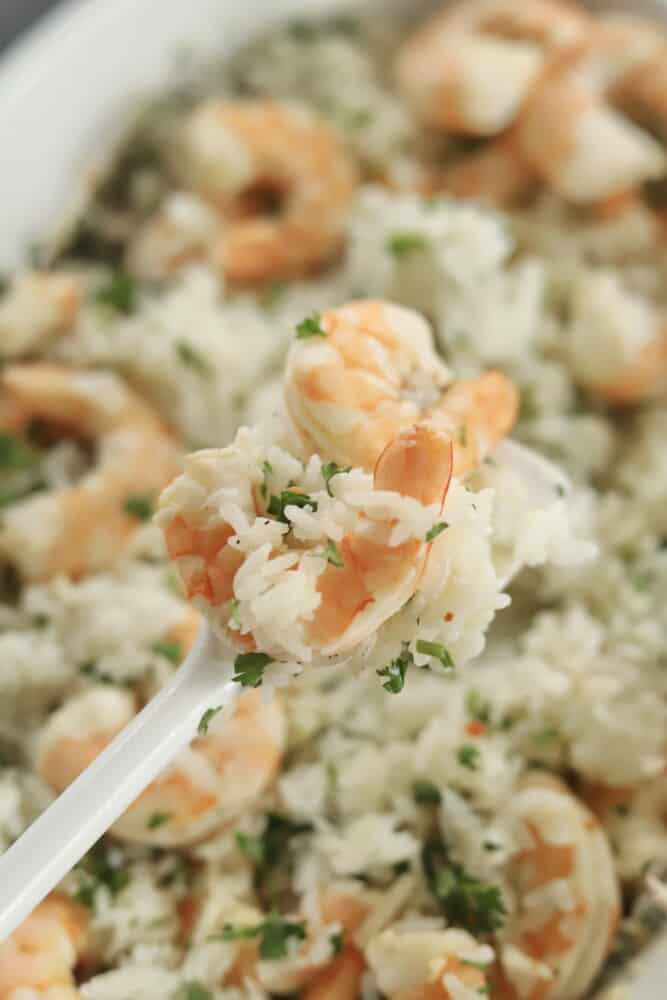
(50, 848)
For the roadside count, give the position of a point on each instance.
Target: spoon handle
(47, 851)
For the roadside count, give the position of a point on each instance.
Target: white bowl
(65, 91)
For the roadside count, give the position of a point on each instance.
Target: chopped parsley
(249, 668)
(15, 455)
(436, 530)
(267, 470)
(468, 756)
(331, 469)
(234, 613)
(272, 295)
(100, 868)
(395, 672)
(477, 707)
(463, 435)
(426, 793)
(403, 244)
(252, 847)
(464, 900)
(119, 292)
(310, 327)
(437, 651)
(332, 554)
(192, 358)
(273, 933)
(192, 990)
(289, 498)
(140, 507)
(157, 820)
(528, 409)
(90, 669)
(336, 941)
(170, 649)
(207, 719)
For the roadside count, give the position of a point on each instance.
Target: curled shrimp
(280, 181)
(496, 175)
(37, 307)
(470, 68)
(374, 372)
(221, 774)
(428, 965)
(574, 113)
(567, 899)
(38, 959)
(85, 527)
(335, 564)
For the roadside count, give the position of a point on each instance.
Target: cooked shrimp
(567, 901)
(496, 175)
(571, 117)
(279, 178)
(237, 556)
(85, 527)
(428, 965)
(37, 961)
(470, 68)
(350, 392)
(221, 774)
(37, 307)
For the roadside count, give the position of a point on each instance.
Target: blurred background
(16, 15)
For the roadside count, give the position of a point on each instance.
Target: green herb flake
(158, 819)
(272, 295)
(91, 670)
(403, 244)
(465, 901)
(332, 554)
(642, 582)
(119, 293)
(463, 435)
(234, 615)
(468, 756)
(169, 649)
(426, 793)
(100, 868)
(274, 934)
(331, 469)
(437, 651)
(192, 358)
(15, 455)
(477, 707)
(207, 719)
(140, 507)
(336, 941)
(249, 668)
(192, 990)
(436, 530)
(267, 470)
(546, 737)
(289, 498)
(310, 327)
(395, 672)
(253, 847)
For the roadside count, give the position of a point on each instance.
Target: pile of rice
(563, 608)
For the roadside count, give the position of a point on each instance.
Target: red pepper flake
(475, 728)
(449, 617)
